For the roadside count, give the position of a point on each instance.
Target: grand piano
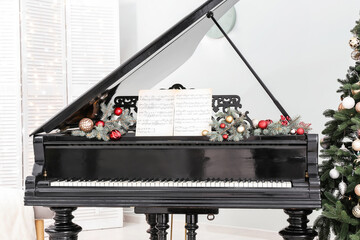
(159, 176)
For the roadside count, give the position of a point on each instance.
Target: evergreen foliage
(340, 131)
(112, 122)
(230, 128)
(282, 127)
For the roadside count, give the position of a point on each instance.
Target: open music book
(174, 112)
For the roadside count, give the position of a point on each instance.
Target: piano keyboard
(176, 184)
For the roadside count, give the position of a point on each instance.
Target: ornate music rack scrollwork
(219, 103)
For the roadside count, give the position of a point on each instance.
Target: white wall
(299, 48)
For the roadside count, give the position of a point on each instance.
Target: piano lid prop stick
(278, 105)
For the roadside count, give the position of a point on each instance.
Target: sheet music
(173, 112)
(193, 109)
(155, 115)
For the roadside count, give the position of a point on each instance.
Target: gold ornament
(229, 119)
(341, 107)
(357, 190)
(205, 132)
(356, 145)
(86, 124)
(354, 91)
(356, 211)
(355, 55)
(357, 107)
(240, 129)
(342, 187)
(354, 42)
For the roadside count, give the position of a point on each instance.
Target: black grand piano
(169, 175)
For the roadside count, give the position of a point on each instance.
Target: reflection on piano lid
(148, 67)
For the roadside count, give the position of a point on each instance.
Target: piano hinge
(306, 175)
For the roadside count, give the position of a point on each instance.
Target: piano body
(169, 175)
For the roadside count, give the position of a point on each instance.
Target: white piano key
(174, 184)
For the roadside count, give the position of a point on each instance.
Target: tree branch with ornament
(340, 170)
(114, 123)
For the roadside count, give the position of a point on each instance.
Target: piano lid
(149, 66)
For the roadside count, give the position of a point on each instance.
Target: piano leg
(64, 228)
(191, 226)
(151, 220)
(162, 225)
(298, 230)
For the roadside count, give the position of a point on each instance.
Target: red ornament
(117, 111)
(222, 125)
(100, 123)
(225, 136)
(115, 135)
(263, 124)
(300, 131)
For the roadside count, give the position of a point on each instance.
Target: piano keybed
(172, 183)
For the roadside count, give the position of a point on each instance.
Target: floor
(133, 230)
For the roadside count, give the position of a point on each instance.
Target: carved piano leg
(151, 220)
(64, 228)
(162, 225)
(298, 230)
(191, 226)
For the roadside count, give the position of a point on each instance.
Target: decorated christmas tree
(340, 170)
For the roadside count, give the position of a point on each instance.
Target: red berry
(115, 135)
(225, 136)
(222, 125)
(100, 123)
(262, 124)
(282, 117)
(300, 131)
(269, 121)
(117, 111)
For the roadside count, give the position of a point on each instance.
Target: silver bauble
(356, 211)
(255, 122)
(324, 143)
(293, 131)
(343, 147)
(342, 187)
(334, 174)
(348, 102)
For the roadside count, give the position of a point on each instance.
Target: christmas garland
(232, 125)
(113, 124)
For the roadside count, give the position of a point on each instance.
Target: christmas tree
(340, 170)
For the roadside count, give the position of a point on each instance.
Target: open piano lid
(150, 65)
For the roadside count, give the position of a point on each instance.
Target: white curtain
(50, 53)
